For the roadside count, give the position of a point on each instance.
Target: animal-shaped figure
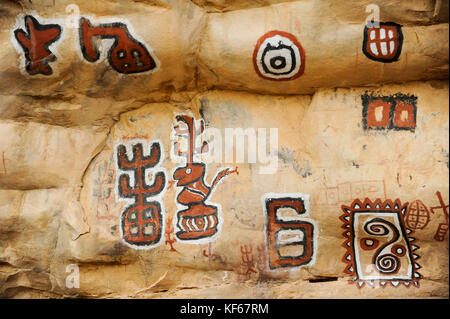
(199, 220)
(35, 44)
(126, 55)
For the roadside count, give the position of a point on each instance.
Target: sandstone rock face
(224, 149)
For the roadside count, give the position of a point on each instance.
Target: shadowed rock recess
(224, 149)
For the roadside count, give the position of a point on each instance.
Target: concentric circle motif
(369, 243)
(278, 56)
(398, 250)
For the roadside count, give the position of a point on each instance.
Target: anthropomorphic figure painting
(199, 220)
(141, 222)
(379, 250)
(291, 238)
(35, 43)
(126, 55)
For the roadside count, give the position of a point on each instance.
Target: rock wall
(224, 149)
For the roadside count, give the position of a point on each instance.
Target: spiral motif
(376, 227)
(384, 263)
(387, 264)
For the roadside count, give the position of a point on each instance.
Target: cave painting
(199, 222)
(383, 43)
(344, 192)
(36, 42)
(291, 238)
(417, 216)
(169, 231)
(394, 112)
(247, 261)
(142, 221)
(278, 56)
(103, 188)
(253, 261)
(126, 55)
(379, 250)
(443, 227)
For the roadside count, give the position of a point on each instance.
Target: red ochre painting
(141, 222)
(393, 112)
(36, 42)
(383, 42)
(199, 221)
(291, 238)
(126, 55)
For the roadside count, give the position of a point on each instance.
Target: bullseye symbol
(398, 250)
(278, 56)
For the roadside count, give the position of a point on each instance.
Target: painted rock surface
(241, 149)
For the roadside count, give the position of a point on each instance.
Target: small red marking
(210, 255)
(125, 138)
(169, 232)
(4, 162)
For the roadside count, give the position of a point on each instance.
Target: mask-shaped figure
(383, 43)
(278, 56)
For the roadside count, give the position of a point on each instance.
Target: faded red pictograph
(142, 221)
(103, 189)
(35, 43)
(253, 263)
(169, 232)
(378, 247)
(199, 220)
(208, 253)
(346, 191)
(443, 227)
(126, 55)
(4, 163)
(383, 43)
(247, 266)
(261, 262)
(134, 137)
(417, 216)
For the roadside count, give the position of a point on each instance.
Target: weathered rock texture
(60, 200)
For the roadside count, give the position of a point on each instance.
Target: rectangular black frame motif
(394, 106)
